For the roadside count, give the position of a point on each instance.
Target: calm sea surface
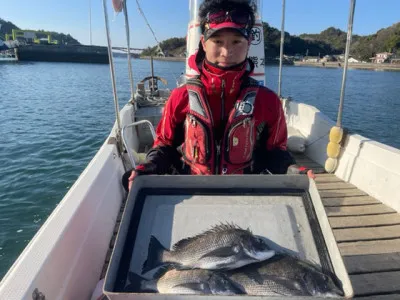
(55, 116)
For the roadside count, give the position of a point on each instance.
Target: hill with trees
(331, 41)
(7, 27)
(171, 47)
(362, 47)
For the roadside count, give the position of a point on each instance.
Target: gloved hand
(129, 176)
(295, 169)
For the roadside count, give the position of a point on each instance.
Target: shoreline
(366, 66)
(169, 58)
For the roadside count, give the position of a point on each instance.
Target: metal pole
(346, 58)
(112, 70)
(90, 22)
(129, 51)
(281, 52)
(152, 74)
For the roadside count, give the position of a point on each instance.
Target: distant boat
(7, 56)
(3, 46)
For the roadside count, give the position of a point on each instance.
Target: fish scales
(285, 275)
(225, 246)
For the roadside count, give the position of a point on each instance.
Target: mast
(336, 133)
(281, 50)
(113, 79)
(346, 58)
(90, 22)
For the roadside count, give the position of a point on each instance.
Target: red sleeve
(173, 114)
(271, 112)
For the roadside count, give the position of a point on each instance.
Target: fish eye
(236, 249)
(260, 241)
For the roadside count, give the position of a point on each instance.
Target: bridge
(132, 50)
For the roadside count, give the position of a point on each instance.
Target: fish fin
(215, 229)
(182, 243)
(194, 286)
(255, 275)
(138, 284)
(224, 227)
(154, 256)
(221, 252)
(163, 269)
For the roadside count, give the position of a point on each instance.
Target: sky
(169, 18)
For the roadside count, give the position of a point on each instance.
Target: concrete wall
(63, 53)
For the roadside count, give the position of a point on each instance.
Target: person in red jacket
(221, 121)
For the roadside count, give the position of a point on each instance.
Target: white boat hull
(371, 166)
(65, 258)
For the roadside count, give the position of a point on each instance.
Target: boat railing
(130, 151)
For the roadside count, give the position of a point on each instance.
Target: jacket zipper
(222, 100)
(218, 157)
(218, 145)
(227, 139)
(194, 122)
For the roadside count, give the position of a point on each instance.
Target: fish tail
(140, 284)
(155, 255)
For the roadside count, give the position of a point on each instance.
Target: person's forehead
(227, 32)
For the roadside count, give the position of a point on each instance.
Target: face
(226, 48)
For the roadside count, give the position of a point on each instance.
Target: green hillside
(7, 27)
(362, 47)
(331, 41)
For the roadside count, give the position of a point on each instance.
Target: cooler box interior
(285, 210)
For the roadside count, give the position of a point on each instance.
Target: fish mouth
(337, 292)
(333, 293)
(260, 255)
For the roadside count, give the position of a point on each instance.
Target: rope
(154, 35)
(316, 140)
(148, 25)
(150, 101)
(125, 9)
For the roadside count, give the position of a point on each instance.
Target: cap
(234, 19)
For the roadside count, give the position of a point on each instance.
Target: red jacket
(269, 122)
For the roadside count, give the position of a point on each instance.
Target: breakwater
(366, 66)
(63, 53)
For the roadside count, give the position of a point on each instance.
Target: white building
(381, 57)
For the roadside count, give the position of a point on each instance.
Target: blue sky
(302, 16)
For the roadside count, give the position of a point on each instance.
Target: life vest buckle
(245, 108)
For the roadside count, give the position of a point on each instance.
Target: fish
(286, 275)
(223, 247)
(168, 280)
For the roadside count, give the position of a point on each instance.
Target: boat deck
(367, 233)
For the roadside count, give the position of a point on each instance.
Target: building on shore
(312, 59)
(382, 57)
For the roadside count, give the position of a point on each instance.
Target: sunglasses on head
(234, 16)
